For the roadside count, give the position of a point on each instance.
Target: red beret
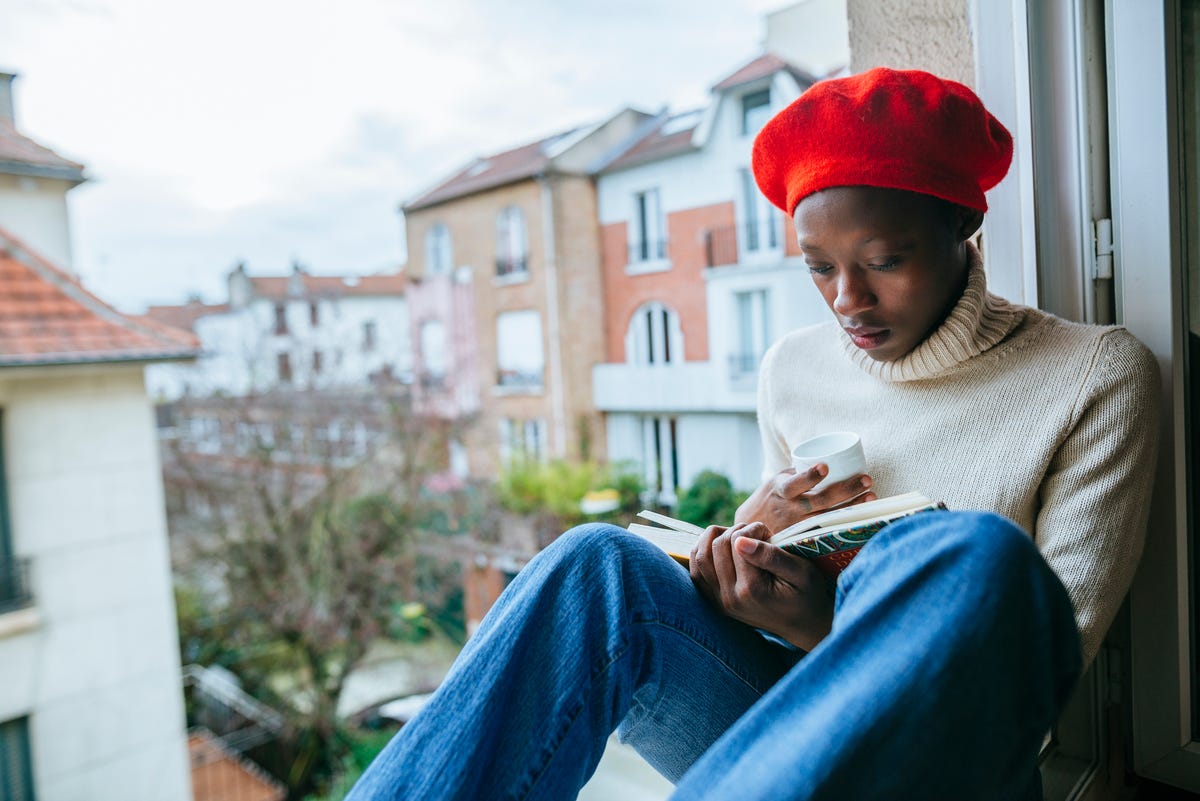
(898, 129)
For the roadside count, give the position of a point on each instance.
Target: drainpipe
(557, 399)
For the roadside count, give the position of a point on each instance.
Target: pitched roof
(672, 136)
(184, 317)
(47, 317)
(493, 171)
(219, 773)
(761, 67)
(20, 155)
(279, 287)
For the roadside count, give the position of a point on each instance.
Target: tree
(300, 520)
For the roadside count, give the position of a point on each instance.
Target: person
(935, 666)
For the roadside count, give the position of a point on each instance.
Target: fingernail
(866, 481)
(746, 545)
(822, 470)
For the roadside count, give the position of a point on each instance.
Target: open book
(831, 539)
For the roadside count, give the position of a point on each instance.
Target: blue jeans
(952, 651)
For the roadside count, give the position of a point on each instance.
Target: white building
(701, 276)
(90, 696)
(300, 330)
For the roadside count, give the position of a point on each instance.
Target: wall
(933, 35)
(35, 211)
(99, 675)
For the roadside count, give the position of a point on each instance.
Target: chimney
(6, 97)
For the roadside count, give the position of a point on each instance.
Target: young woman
(949, 645)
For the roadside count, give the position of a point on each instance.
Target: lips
(867, 337)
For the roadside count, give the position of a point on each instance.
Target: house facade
(507, 247)
(701, 275)
(90, 702)
(297, 331)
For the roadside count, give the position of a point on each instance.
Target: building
(508, 320)
(701, 275)
(299, 331)
(90, 703)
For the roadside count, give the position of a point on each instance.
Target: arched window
(439, 254)
(654, 336)
(512, 244)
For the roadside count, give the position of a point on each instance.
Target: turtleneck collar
(976, 323)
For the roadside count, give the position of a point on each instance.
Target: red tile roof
(22, 156)
(493, 171)
(47, 317)
(184, 317)
(672, 137)
(219, 774)
(277, 287)
(761, 67)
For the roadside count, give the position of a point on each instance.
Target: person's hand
(787, 497)
(760, 584)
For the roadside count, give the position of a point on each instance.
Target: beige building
(520, 229)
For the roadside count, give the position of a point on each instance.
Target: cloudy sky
(276, 130)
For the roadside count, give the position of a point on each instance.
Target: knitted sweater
(1053, 424)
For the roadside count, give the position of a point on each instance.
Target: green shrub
(711, 499)
(555, 488)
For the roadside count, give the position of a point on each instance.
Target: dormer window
(439, 255)
(756, 110)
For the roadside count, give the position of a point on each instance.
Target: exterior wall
(933, 35)
(471, 222)
(681, 287)
(580, 320)
(98, 674)
(450, 301)
(35, 211)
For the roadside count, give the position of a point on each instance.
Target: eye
(886, 266)
(819, 269)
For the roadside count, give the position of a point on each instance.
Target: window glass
(519, 356)
(648, 230)
(512, 246)
(654, 336)
(439, 255)
(756, 110)
(16, 766)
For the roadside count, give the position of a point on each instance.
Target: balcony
(685, 387)
(751, 241)
(512, 267)
(517, 382)
(648, 256)
(15, 591)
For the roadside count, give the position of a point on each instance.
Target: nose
(854, 294)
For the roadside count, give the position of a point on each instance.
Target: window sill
(19, 621)
(650, 266)
(510, 279)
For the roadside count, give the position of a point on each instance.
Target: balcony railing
(731, 243)
(519, 379)
(647, 250)
(511, 265)
(743, 364)
(15, 592)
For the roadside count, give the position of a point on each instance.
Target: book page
(862, 512)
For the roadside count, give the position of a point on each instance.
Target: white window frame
(649, 247)
(439, 250)
(512, 246)
(760, 226)
(654, 336)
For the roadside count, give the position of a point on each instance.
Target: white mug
(841, 451)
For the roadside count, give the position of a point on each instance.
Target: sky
(276, 131)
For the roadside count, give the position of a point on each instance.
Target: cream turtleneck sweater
(1053, 424)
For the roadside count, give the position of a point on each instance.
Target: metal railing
(517, 378)
(729, 244)
(743, 364)
(15, 591)
(647, 250)
(510, 265)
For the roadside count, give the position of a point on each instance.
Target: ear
(969, 221)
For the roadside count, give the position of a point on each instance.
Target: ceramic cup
(841, 451)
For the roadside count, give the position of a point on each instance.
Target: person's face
(890, 264)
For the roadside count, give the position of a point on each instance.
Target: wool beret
(898, 129)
